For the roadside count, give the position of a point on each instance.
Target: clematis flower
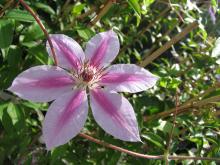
(81, 75)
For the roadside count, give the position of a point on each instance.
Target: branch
(102, 12)
(87, 13)
(167, 45)
(159, 40)
(42, 28)
(6, 6)
(161, 15)
(145, 156)
(184, 107)
(172, 129)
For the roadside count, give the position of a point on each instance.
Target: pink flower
(84, 73)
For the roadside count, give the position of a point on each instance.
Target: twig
(102, 12)
(159, 40)
(184, 107)
(161, 15)
(172, 129)
(167, 45)
(136, 154)
(87, 13)
(6, 6)
(42, 28)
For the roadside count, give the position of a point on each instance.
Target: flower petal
(115, 115)
(65, 118)
(102, 48)
(42, 83)
(128, 78)
(68, 52)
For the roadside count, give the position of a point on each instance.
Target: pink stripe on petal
(102, 48)
(65, 118)
(53, 82)
(121, 77)
(100, 52)
(127, 78)
(108, 107)
(70, 110)
(114, 114)
(67, 53)
(42, 83)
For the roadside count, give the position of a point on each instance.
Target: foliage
(188, 68)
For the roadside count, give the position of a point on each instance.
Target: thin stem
(102, 12)
(185, 107)
(140, 34)
(159, 40)
(173, 126)
(145, 156)
(6, 6)
(42, 28)
(87, 13)
(170, 43)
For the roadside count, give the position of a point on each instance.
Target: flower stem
(136, 154)
(42, 28)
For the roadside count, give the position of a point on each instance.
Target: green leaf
(166, 127)
(20, 15)
(7, 123)
(77, 9)
(216, 49)
(153, 138)
(34, 32)
(86, 34)
(14, 56)
(45, 8)
(6, 33)
(135, 5)
(3, 107)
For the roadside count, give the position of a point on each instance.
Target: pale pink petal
(65, 118)
(42, 83)
(128, 78)
(68, 52)
(115, 115)
(102, 48)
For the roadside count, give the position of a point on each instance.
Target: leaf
(166, 127)
(153, 138)
(6, 33)
(7, 123)
(86, 34)
(14, 56)
(20, 15)
(77, 9)
(135, 5)
(34, 32)
(216, 49)
(3, 107)
(40, 54)
(45, 8)
(15, 113)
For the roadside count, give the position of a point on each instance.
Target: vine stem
(42, 28)
(102, 12)
(167, 45)
(141, 33)
(172, 129)
(194, 102)
(136, 154)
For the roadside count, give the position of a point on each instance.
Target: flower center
(87, 75)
